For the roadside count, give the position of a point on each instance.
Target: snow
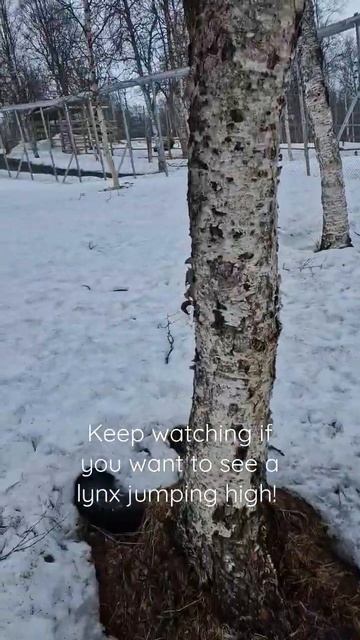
(73, 357)
(75, 352)
(316, 409)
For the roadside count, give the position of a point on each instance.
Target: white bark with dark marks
(335, 233)
(240, 53)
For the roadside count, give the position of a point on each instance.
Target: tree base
(147, 590)
(328, 243)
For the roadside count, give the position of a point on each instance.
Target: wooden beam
(339, 27)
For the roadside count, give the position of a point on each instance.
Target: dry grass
(321, 591)
(147, 591)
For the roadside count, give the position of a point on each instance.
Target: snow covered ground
(71, 356)
(74, 351)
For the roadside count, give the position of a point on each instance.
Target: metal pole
(127, 133)
(49, 141)
(88, 129)
(72, 140)
(18, 120)
(161, 151)
(303, 118)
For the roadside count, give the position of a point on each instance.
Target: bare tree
(335, 232)
(8, 52)
(53, 36)
(174, 43)
(138, 22)
(21, 79)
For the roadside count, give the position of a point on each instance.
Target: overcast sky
(351, 7)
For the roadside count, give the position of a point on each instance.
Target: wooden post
(88, 129)
(148, 136)
(168, 132)
(127, 133)
(304, 125)
(49, 141)
(160, 145)
(2, 145)
(84, 128)
(72, 140)
(18, 120)
(287, 131)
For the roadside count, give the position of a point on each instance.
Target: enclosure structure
(345, 106)
(72, 125)
(76, 127)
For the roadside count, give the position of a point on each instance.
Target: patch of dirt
(147, 591)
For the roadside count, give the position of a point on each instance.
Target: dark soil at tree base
(147, 591)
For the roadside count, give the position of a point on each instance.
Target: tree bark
(239, 54)
(335, 233)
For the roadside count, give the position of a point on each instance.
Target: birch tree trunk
(335, 233)
(239, 54)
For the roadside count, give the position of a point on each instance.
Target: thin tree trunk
(335, 232)
(235, 115)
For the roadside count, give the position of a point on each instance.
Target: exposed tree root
(147, 592)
